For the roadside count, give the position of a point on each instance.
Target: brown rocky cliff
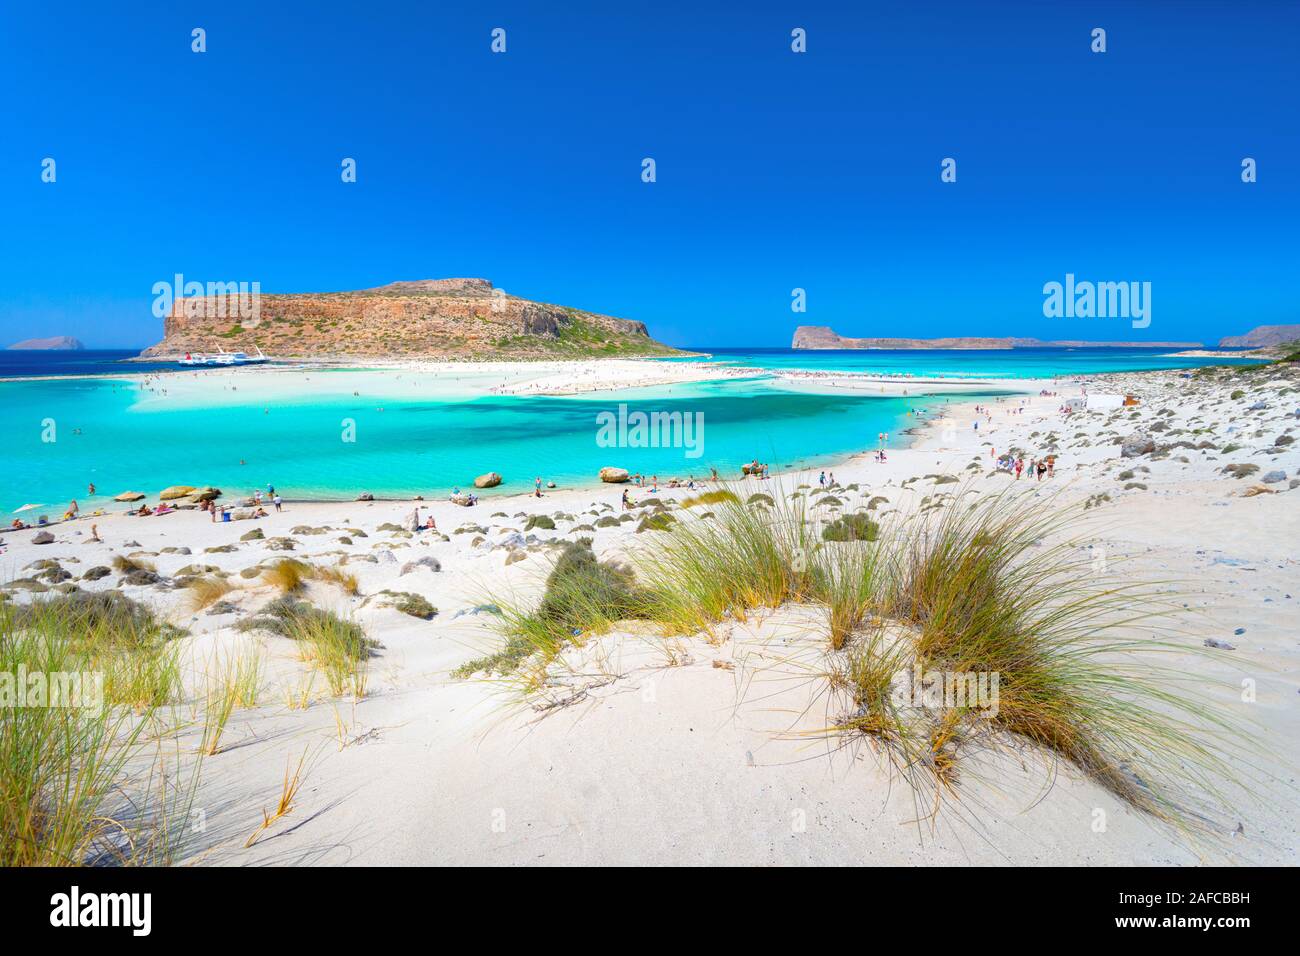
(441, 318)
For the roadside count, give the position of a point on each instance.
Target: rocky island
(65, 343)
(1262, 336)
(429, 318)
(824, 337)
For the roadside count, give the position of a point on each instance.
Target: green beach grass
(999, 587)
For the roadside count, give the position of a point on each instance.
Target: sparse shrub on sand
(655, 522)
(408, 602)
(545, 522)
(852, 527)
(583, 596)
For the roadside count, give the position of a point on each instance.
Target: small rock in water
(1239, 631)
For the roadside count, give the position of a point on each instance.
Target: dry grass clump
(207, 590)
(290, 575)
(124, 565)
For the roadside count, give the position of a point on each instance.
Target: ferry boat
(223, 359)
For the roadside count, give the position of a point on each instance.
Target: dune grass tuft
(714, 497)
(337, 647)
(997, 593)
(64, 757)
(583, 596)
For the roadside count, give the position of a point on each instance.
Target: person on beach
(72, 510)
(537, 487)
(1042, 469)
(277, 501)
(94, 534)
(415, 519)
(821, 479)
(1051, 465)
(90, 492)
(627, 502)
(1020, 464)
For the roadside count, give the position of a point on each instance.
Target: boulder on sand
(130, 496)
(490, 480)
(1136, 445)
(42, 537)
(176, 491)
(613, 475)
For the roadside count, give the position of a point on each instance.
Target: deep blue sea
(60, 435)
(88, 362)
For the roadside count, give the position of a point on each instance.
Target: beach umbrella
(25, 508)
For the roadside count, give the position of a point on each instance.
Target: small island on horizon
(824, 337)
(56, 343)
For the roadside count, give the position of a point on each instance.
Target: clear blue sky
(775, 170)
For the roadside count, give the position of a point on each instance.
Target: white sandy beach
(687, 752)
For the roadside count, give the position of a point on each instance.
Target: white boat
(223, 359)
(198, 360)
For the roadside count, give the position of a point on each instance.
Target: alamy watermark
(639, 429)
(1099, 300)
(74, 690)
(215, 300)
(974, 690)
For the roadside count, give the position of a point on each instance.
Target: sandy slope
(692, 752)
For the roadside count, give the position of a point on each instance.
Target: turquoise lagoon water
(116, 434)
(104, 435)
